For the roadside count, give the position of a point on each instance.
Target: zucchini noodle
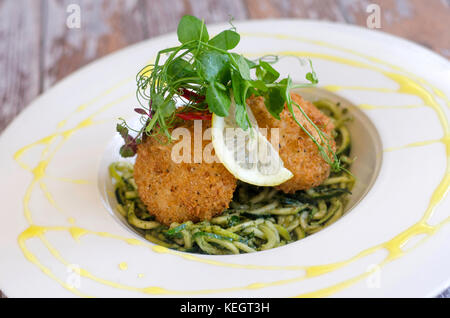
(259, 218)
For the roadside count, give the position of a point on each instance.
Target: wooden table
(37, 49)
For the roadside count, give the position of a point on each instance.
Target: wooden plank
(260, 9)
(19, 56)
(215, 11)
(163, 16)
(305, 9)
(424, 22)
(106, 26)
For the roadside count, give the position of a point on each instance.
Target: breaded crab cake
(180, 192)
(298, 152)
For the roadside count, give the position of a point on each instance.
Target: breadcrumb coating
(179, 192)
(298, 152)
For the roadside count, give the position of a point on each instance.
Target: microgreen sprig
(206, 77)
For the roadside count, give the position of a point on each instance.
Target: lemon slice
(247, 154)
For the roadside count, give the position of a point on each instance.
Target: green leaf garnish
(267, 73)
(122, 130)
(242, 66)
(129, 149)
(225, 40)
(191, 28)
(274, 101)
(168, 108)
(312, 76)
(239, 89)
(259, 85)
(213, 66)
(218, 100)
(206, 76)
(180, 69)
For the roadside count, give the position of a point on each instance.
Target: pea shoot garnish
(203, 74)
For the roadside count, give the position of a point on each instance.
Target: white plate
(58, 240)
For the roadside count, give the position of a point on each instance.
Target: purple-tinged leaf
(122, 130)
(141, 111)
(127, 151)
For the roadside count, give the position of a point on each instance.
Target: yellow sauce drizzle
(435, 90)
(415, 144)
(371, 107)
(123, 266)
(406, 85)
(68, 180)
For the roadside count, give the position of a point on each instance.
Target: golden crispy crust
(178, 192)
(298, 152)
